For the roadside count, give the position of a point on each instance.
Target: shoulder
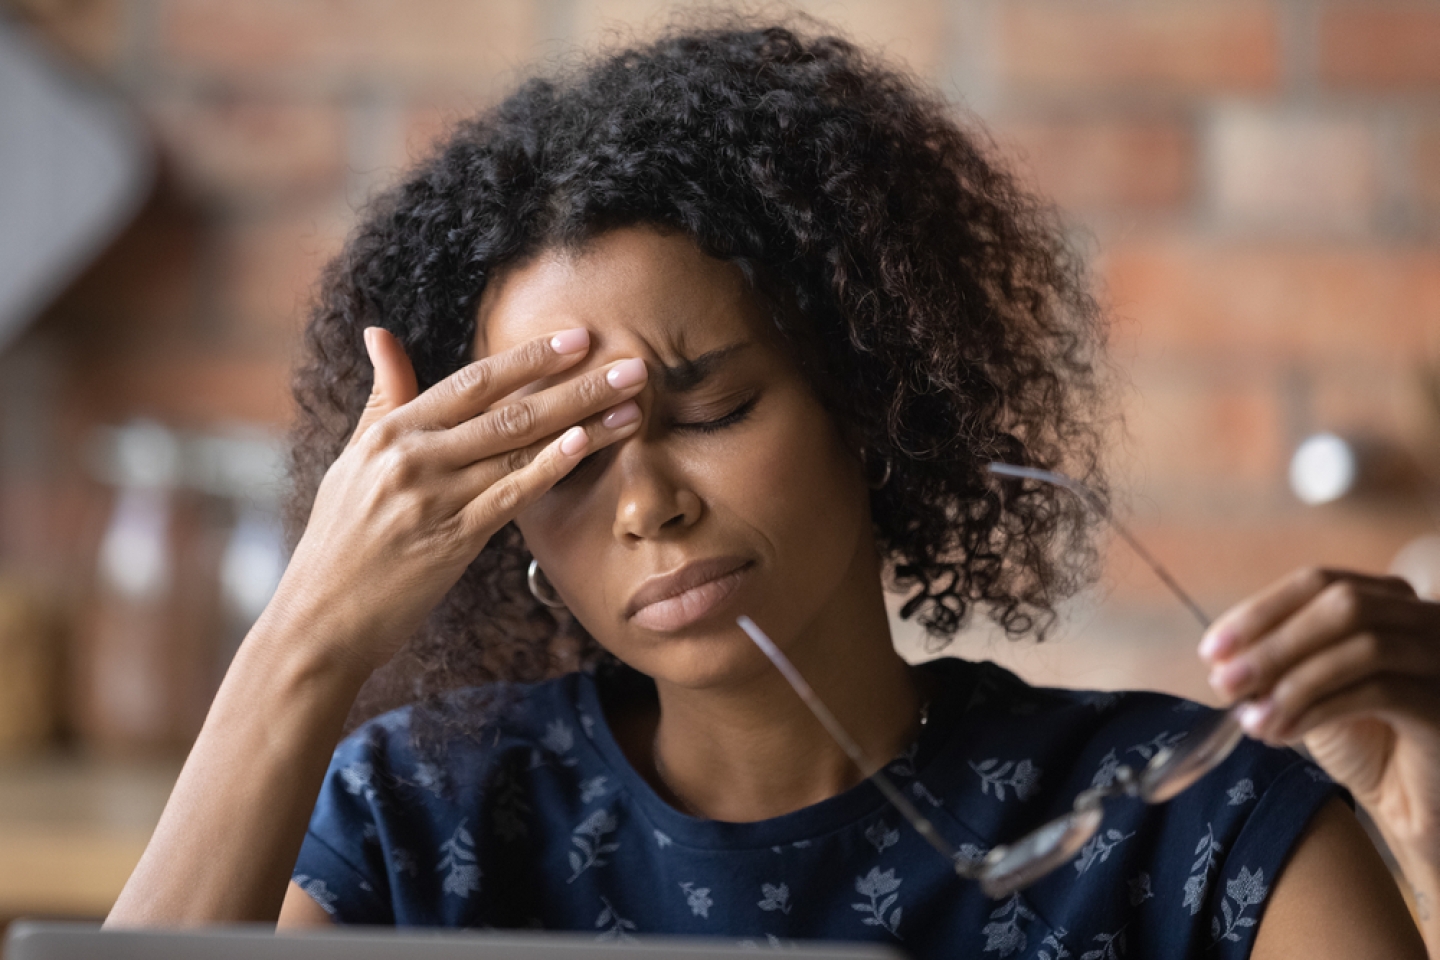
(1336, 898)
(1195, 871)
(1078, 739)
(453, 743)
(997, 708)
(411, 799)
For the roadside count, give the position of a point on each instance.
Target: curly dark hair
(931, 302)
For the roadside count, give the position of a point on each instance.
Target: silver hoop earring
(532, 579)
(885, 470)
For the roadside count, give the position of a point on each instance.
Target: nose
(654, 499)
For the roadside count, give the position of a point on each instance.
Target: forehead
(637, 290)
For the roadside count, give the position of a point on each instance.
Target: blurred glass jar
(190, 553)
(29, 670)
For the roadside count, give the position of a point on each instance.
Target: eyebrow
(689, 374)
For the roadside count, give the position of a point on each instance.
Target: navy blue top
(547, 825)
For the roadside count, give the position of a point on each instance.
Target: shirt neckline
(954, 679)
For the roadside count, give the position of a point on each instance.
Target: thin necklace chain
(689, 808)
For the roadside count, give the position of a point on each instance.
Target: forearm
(1422, 878)
(232, 829)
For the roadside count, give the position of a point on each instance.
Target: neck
(751, 750)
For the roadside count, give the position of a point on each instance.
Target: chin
(717, 657)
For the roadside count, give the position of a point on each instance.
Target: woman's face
(736, 495)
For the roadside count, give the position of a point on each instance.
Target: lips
(674, 600)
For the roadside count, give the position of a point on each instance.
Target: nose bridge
(653, 498)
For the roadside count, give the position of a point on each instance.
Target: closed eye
(719, 423)
(737, 415)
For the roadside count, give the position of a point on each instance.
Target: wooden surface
(72, 829)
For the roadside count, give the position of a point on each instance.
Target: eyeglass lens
(1010, 867)
(1206, 745)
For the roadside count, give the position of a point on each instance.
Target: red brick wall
(1259, 181)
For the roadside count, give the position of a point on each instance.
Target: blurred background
(1256, 182)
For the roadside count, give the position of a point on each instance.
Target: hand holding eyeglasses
(1349, 665)
(1344, 662)
(1012, 866)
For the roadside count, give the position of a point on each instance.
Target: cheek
(569, 533)
(808, 489)
(555, 534)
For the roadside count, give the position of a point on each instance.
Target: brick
(1202, 428)
(443, 43)
(912, 33)
(1356, 397)
(605, 24)
(228, 146)
(49, 526)
(1293, 173)
(1169, 47)
(269, 269)
(1269, 300)
(1130, 632)
(187, 386)
(90, 32)
(424, 126)
(1097, 646)
(1381, 45)
(1224, 558)
(1425, 168)
(1105, 164)
(146, 286)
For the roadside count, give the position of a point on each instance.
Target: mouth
(676, 600)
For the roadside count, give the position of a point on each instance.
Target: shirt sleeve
(341, 863)
(1254, 858)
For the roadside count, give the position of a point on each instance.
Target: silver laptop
(86, 941)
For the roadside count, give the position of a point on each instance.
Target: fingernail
(1230, 676)
(1253, 715)
(627, 413)
(626, 373)
(570, 341)
(1218, 643)
(573, 441)
(369, 336)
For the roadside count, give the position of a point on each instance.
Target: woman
(730, 324)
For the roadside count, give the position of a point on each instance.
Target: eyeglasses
(1013, 866)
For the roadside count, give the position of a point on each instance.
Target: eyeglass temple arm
(1093, 501)
(852, 749)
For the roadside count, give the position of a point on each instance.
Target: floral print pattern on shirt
(543, 822)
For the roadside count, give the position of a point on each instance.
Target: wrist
(307, 642)
(1420, 882)
(1416, 853)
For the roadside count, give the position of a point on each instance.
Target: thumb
(394, 384)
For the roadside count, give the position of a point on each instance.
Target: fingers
(1257, 616)
(394, 382)
(1354, 661)
(499, 502)
(1347, 607)
(1315, 635)
(1405, 702)
(617, 424)
(1402, 702)
(1377, 737)
(473, 388)
(532, 419)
